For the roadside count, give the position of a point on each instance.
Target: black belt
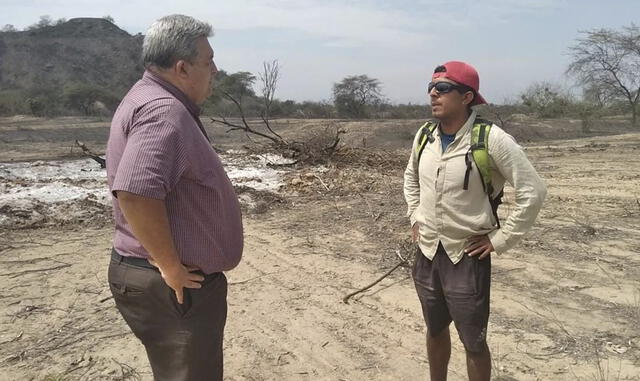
(141, 262)
(133, 261)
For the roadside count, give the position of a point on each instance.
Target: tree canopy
(354, 95)
(607, 62)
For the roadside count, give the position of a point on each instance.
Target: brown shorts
(183, 341)
(458, 293)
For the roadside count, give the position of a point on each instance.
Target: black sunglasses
(447, 87)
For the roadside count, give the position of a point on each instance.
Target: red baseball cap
(463, 74)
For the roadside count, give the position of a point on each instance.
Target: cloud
(342, 24)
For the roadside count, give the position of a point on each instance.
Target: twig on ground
(34, 260)
(373, 215)
(16, 338)
(496, 272)
(608, 275)
(540, 356)
(554, 320)
(115, 335)
(255, 277)
(15, 274)
(321, 182)
(345, 300)
(128, 372)
(588, 229)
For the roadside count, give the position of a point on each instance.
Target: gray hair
(173, 38)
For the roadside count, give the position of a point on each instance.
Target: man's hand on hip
(415, 232)
(150, 224)
(180, 277)
(479, 245)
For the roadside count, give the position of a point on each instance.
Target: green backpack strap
(425, 134)
(479, 153)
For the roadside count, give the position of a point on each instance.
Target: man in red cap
(453, 182)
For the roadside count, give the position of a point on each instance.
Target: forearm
(411, 188)
(521, 219)
(150, 225)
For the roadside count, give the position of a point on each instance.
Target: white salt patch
(263, 179)
(252, 170)
(85, 169)
(50, 182)
(51, 193)
(269, 158)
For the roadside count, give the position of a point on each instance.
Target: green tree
(44, 22)
(608, 61)
(355, 95)
(42, 100)
(546, 100)
(231, 88)
(82, 97)
(237, 85)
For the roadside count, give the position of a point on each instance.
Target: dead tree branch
(317, 149)
(87, 152)
(345, 300)
(15, 274)
(245, 125)
(269, 77)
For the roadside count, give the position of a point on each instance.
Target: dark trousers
(183, 341)
(457, 292)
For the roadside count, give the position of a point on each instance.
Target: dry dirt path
(565, 303)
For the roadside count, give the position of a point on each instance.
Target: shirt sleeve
(153, 160)
(530, 190)
(412, 183)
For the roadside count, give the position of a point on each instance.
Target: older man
(177, 218)
(453, 184)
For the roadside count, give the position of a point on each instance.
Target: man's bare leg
(479, 365)
(439, 352)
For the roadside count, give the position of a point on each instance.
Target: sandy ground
(565, 302)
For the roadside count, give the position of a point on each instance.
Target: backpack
(478, 153)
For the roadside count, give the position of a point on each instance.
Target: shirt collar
(466, 127)
(193, 108)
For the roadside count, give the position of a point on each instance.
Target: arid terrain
(565, 301)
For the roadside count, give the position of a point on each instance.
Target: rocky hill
(89, 51)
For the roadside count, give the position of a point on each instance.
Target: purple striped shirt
(158, 149)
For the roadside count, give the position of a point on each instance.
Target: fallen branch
(373, 215)
(588, 229)
(87, 152)
(554, 320)
(127, 371)
(15, 274)
(16, 338)
(345, 300)
(255, 277)
(608, 275)
(321, 182)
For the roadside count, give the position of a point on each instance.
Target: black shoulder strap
(426, 136)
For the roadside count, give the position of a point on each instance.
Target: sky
(512, 43)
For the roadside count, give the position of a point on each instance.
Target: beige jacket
(445, 212)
